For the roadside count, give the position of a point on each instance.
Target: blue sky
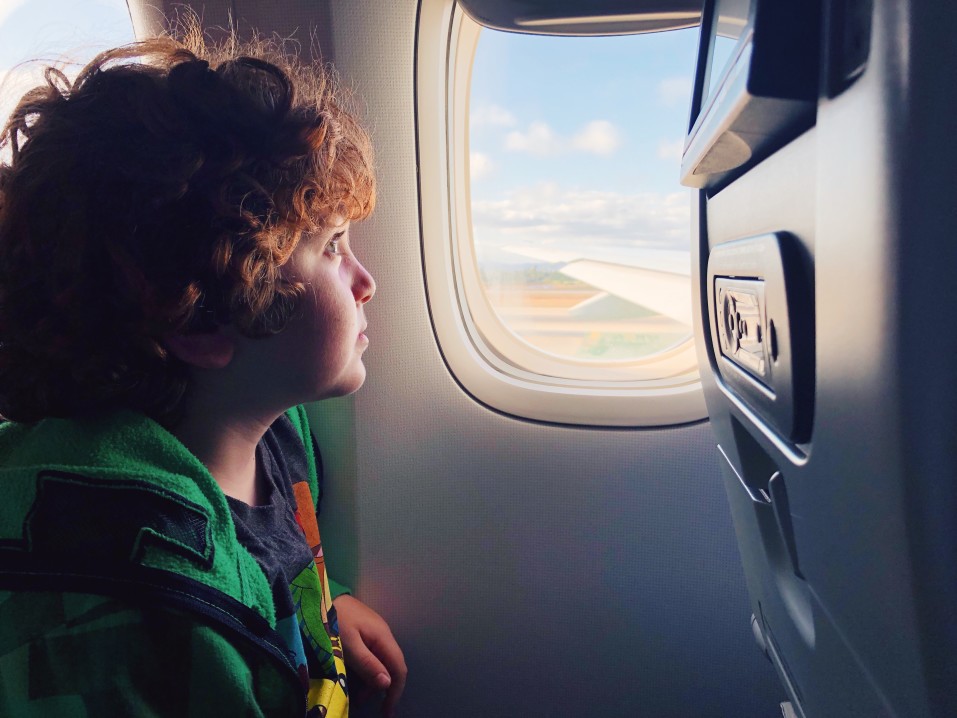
(578, 141)
(639, 84)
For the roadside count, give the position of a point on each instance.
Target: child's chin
(345, 387)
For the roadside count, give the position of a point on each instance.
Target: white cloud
(671, 150)
(480, 165)
(673, 91)
(7, 8)
(540, 140)
(550, 215)
(491, 115)
(599, 136)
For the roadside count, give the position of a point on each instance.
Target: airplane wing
(658, 280)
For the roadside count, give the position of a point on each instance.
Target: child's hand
(371, 650)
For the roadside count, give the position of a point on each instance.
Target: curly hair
(161, 192)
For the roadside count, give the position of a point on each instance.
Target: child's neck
(226, 445)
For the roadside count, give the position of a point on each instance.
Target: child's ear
(207, 350)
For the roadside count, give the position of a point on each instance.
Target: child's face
(319, 354)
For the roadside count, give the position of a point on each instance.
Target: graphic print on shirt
(317, 618)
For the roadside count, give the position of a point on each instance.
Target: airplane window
(555, 235)
(580, 228)
(69, 33)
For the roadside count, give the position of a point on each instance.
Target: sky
(575, 143)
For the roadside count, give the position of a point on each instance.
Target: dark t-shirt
(270, 532)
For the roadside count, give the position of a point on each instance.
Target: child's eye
(333, 246)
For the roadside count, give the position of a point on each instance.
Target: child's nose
(363, 285)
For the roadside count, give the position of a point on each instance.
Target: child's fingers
(369, 668)
(387, 650)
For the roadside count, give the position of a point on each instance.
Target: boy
(176, 279)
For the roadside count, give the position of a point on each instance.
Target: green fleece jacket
(123, 588)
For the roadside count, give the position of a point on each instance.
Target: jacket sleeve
(89, 655)
(337, 589)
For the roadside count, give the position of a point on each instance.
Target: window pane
(581, 229)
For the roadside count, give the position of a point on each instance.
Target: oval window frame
(491, 363)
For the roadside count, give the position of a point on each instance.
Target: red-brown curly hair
(161, 192)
